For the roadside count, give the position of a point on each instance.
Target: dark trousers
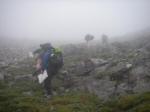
(52, 71)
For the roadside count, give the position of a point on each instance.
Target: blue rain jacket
(45, 58)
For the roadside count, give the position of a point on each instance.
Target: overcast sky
(71, 20)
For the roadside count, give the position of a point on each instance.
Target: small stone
(128, 65)
(1, 76)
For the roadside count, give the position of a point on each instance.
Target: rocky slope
(109, 72)
(121, 68)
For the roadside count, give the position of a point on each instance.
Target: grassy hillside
(12, 100)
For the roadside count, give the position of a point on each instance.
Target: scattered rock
(28, 93)
(1, 76)
(23, 77)
(99, 62)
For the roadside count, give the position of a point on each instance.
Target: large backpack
(56, 58)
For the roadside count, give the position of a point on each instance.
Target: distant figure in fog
(104, 39)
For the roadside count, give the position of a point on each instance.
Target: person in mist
(51, 60)
(104, 40)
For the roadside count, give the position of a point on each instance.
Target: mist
(75, 55)
(68, 21)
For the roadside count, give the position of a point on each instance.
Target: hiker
(51, 60)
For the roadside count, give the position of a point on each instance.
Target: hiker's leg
(51, 71)
(47, 85)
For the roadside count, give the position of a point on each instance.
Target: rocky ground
(119, 69)
(92, 79)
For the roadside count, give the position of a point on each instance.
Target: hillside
(98, 78)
